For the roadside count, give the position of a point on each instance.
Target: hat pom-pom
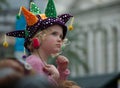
(24, 56)
(70, 28)
(5, 44)
(18, 16)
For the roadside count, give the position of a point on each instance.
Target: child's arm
(52, 71)
(62, 65)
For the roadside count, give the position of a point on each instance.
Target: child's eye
(54, 33)
(57, 34)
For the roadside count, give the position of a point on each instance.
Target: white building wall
(103, 42)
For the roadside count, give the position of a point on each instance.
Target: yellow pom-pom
(70, 28)
(5, 44)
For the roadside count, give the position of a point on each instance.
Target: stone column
(100, 59)
(110, 50)
(90, 47)
(118, 47)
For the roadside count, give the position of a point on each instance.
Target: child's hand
(52, 71)
(62, 62)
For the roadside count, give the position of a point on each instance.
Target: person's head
(11, 71)
(50, 40)
(68, 84)
(37, 23)
(35, 81)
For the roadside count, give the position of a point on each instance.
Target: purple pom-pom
(24, 56)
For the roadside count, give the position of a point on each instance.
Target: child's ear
(35, 43)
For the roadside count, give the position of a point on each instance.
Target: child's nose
(59, 39)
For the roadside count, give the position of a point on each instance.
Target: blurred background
(94, 47)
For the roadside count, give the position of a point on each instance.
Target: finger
(47, 65)
(46, 70)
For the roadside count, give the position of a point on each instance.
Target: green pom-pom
(63, 47)
(18, 16)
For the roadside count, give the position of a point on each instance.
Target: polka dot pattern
(20, 33)
(34, 9)
(50, 9)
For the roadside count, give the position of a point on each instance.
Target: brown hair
(68, 84)
(11, 72)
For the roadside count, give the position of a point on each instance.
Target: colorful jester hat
(36, 21)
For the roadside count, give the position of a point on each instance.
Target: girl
(50, 42)
(44, 35)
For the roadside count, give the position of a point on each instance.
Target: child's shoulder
(33, 59)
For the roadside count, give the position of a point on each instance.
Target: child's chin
(56, 51)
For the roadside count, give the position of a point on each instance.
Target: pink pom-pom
(36, 43)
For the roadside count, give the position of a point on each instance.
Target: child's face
(53, 41)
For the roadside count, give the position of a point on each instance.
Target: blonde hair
(41, 36)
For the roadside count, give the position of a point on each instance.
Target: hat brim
(41, 25)
(54, 21)
(19, 33)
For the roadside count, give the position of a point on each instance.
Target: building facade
(99, 29)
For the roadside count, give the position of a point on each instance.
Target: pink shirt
(38, 66)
